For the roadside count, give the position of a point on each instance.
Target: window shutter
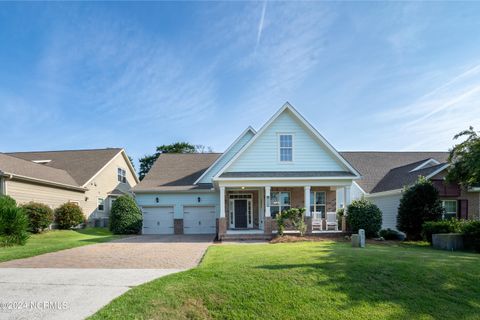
(463, 205)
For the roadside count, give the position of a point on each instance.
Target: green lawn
(312, 280)
(56, 240)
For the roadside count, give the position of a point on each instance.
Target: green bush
(13, 226)
(125, 216)
(443, 226)
(389, 234)
(471, 233)
(40, 216)
(69, 215)
(363, 214)
(7, 201)
(293, 215)
(419, 204)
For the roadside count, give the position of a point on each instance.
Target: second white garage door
(199, 220)
(157, 220)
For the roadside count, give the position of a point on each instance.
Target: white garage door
(158, 220)
(199, 220)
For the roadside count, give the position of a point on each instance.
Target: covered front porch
(249, 209)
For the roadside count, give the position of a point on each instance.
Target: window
(121, 175)
(279, 201)
(101, 204)
(451, 210)
(286, 147)
(318, 202)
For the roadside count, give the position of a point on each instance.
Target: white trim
(279, 160)
(231, 208)
(358, 186)
(475, 189)
(125, 157)
(305, 122)
(283, 183)
(226, 151)
(437, 171)
(41, 181)
(125, 176)
(425, 163)
(41, 161)
(384, 193)
(283, 178)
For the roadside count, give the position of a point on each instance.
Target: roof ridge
(66, 150)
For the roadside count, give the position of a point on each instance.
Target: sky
(391, 76)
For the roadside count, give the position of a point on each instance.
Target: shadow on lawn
(430, 283)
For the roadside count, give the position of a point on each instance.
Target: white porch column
(267, 201)
(307, 201)
(346, 197)
(222, 202)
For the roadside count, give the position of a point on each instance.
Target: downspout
(3, 183)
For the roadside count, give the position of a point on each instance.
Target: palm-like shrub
(363, 214)
(419, 204)
(13, 226)
(125, 216)
(40, 216)
(69, 215)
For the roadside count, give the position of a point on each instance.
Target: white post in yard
(307, 201)
(267, 201)
(222, 202)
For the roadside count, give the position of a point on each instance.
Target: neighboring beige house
(91, 178)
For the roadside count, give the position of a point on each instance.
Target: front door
(240, 213)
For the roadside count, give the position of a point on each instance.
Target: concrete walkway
(75, 283)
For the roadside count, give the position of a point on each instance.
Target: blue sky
(368, 76)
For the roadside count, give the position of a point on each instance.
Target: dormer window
(121, 175)
(286, 147)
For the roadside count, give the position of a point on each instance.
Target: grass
(311, 280)
(55, 240)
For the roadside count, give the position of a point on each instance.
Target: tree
(419, 204)
(147, 161)
(363, 214)
(464, 160)
(125, 216)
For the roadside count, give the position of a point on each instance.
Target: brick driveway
(138, 252)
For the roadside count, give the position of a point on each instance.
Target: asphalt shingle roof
(81, 165)
(25, 168)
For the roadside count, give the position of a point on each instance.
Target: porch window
(318, 202)
(451, 209)
(279, 201)
(286, 148)
(101, 204)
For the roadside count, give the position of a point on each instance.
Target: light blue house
(287, 163)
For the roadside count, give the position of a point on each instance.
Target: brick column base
(308, 222)
(221, 228)
(178, 226)
(267, 225)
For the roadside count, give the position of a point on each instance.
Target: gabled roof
(82, 165)
(288, 107)
(230, 148)
(28, 170)
(374, 166)
(177, 172)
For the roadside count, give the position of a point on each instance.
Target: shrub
(389, 234)
(444, 226)
(125, 216)
(13, 226)
(7, 201)
(471, 233)
(40, 216)
(340, 214)
(69, 215)
(293, 215)
(418, 205)
(363, 214)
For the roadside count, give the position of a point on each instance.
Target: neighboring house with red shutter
(286, 163)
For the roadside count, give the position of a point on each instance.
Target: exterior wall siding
(104, 183)
(308, 154)
(389, 207)
(180, 200)
(227, 157)
(24, 192)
